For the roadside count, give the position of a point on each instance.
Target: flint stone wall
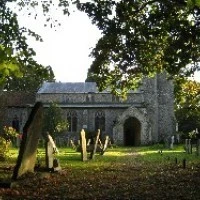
(152, 104)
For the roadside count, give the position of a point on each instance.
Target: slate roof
(18, 99)
(68, 87)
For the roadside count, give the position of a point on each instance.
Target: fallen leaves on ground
(131, 180)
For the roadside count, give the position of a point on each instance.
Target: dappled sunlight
(69, 157)
(157, 151)
(115, 153)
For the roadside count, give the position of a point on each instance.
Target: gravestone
(51, 150)
(105, 146)
(172, 142)
(28, 148)
(95, 145)
(100, 144)
(72, 144)
(186, 146)
(83, 146)
(88, 142)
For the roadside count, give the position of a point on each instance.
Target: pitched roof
(68, 87)
(18, 99)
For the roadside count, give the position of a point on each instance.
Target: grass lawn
(121, 173)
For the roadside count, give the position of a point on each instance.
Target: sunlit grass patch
(70, 158)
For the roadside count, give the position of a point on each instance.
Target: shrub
(5, 141)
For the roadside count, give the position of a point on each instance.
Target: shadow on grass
(120, 155)
(68, 157)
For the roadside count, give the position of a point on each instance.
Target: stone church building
(146, 116)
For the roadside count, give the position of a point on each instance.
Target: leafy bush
(5, 141)
(53, 121)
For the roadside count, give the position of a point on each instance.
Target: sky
(65, 48)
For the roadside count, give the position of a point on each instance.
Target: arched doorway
(132, 132)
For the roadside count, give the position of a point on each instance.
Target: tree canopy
(187, 103)
(139, 38)
(53, 122)
(142, 38)
(17, 63)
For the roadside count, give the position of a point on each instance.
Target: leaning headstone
(100, 144)
(105, 146)
(83, 146)
(51, 150)
(95, 145)
(28, 149)
(88, 142)
(72, 144)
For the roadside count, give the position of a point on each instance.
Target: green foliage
(4, 146)
(26, 82)
(17, 65)
(142, 38)
(139, 38)
(9, 132)
(53, 120)
(192, 134)
(193, 3)
(8, 65)
(187, 103)
(6, 140)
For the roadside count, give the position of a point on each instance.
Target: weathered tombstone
(88, 142)
(178, 138)
(100, 143)
(95, 145)
(186, 146)
(172, 142)
(83, 146)
(72, 144)
(105, 146)
(28, 148)
(51, 150)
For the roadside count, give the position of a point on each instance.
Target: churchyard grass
(68, 157)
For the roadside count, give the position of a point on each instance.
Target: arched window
(72, 120)
(100, 120)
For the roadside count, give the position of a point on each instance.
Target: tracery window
(72, 120)
(100, 120)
